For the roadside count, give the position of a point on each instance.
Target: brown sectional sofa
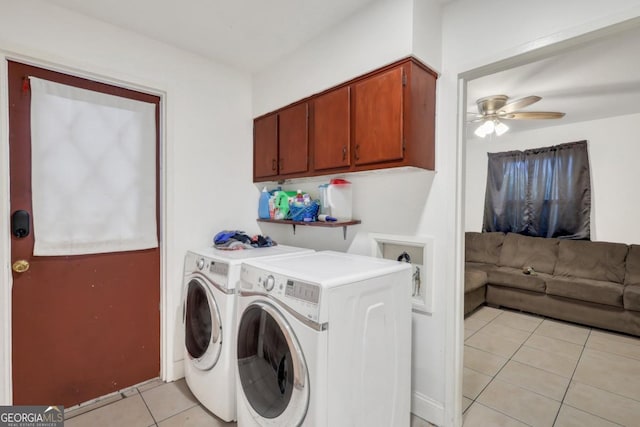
(593, 283)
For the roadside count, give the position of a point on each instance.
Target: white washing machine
(324, 339)
(209, 316)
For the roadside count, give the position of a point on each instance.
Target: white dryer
(324, 339)
(209, 320)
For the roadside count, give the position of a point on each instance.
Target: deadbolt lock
(20, 266)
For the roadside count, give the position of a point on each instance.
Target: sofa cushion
(479, 266)
(632, 276)
(597, 291)
(631, 297)
(515, 278)
(601, 261)
(474, 279)
(520, 251)
(483, 247)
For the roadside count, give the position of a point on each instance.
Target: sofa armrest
(474, 279)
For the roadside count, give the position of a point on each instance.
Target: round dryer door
(271, 366)
(203, 330)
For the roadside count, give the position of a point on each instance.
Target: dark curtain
(506, 193)
(543, 192)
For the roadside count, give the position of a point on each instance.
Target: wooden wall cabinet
(377, 129)
(380, 120)
(331, 129)
(281, 143)
(265, 147)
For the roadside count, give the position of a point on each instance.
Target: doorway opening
(501, 77)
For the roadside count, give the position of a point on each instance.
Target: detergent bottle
(263, 204)
(272, 204)
(281, 203)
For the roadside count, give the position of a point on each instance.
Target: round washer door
(271, 366)
(203, 328)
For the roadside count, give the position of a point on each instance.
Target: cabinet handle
(273, 164)
(357, 151)
(344, 153)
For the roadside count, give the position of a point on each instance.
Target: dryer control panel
(302, 297)
(215, 271)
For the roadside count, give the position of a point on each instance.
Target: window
(93, 173)
(542, 192)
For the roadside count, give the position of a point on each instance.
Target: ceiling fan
(493, 109)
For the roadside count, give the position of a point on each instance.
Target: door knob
(20, 266)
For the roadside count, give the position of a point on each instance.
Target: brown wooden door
(82, 326)
(293, 139)
(331, 130)
(265, 146)
(378, 102)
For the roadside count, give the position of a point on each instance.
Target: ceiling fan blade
(518, 104)
(476, 119)
(533, 115)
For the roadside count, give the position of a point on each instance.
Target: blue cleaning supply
(263, 204)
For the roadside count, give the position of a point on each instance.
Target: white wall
(478, 33)
(613, 150)
(427, 33)
(207, 132)
(388, 201)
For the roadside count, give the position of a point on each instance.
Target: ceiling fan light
(480, 132)
(489, 127)
(501, 128)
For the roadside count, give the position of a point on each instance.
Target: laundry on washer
(234, 240)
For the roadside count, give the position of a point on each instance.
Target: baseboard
(427, 408)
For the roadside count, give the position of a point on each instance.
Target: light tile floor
(154, 403)
(527, 370)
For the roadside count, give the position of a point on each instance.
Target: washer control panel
(302, 297)
(302, 291)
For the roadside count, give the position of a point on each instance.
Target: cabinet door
(293, 139)
(265, 146)
(331, 133)
(378, 118)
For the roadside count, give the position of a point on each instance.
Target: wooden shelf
(328, 224)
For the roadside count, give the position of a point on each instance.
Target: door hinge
(404, 79)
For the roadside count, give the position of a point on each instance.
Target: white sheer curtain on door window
(93, 169)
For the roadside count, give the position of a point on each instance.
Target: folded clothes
(235, 239)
